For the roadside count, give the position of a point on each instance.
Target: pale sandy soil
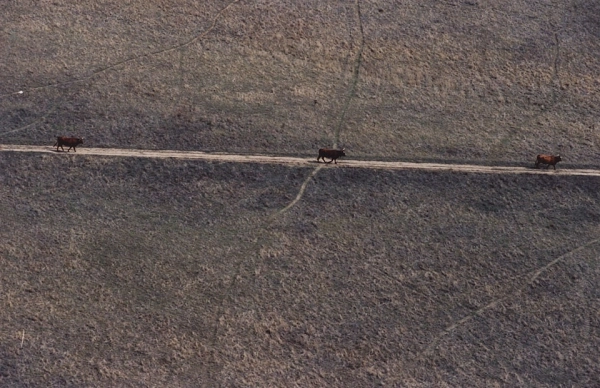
(298, 161)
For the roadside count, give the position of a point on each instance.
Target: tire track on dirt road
(299, 161)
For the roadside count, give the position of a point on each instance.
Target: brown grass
(435, 81)
(136, 272)
(143, 272)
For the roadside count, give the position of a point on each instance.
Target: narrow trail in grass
(530, 278)
(300, 193)
(355, 76)
(103, 68)
(349, 97)
(297, 161)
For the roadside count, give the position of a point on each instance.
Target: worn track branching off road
(530, 279)
(351, 94)
(355, 76)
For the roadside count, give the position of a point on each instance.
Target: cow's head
(558, 159)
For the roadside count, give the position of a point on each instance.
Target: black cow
(71, 142)
(330, 154)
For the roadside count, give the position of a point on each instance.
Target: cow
(71, 142)
(330, 154)
(549, 160)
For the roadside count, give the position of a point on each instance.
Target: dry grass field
(131, 272)
(122, 271)
(450, 80)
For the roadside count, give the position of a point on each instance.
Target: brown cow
(71, 142)
(330, 154)
(549, 160)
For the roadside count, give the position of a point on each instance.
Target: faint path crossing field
(296, 161)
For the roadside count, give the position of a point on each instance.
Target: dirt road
(296, 161)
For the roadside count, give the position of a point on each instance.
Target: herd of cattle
(331, 154)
